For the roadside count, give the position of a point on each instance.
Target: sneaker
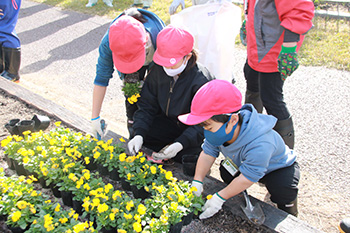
(344, 225)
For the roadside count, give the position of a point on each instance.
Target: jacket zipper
(172, 83)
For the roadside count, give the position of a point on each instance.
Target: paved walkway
(59, 54)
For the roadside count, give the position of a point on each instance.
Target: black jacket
(163, 100)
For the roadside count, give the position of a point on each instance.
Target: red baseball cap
(127, 40)
(213, 98)
(173, 44)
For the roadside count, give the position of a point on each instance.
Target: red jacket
(272, 22)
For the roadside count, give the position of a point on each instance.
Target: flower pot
(103, 171)
(20, 169)
(176, 228)
(9, 162)
(114, 174)
(67, 198)
(17, 229)
(42, 182)
(108, 230)
(139, 193)
(77, 206)
(40, 122)
(55, 191)
(125, 184)
(11, 126)
(187, 219)
(189, 164)
(25, 125)
(92, 166)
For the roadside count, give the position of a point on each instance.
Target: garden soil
(59, 54)
(224, 221)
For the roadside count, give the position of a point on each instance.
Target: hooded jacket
(163, 100)
(8, 21)
(258, 149)
(272, 22)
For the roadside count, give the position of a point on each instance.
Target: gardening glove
(287, 61)
(108, 2)
(175, 4)
(135, 144)
(212, 206)
(243, 33)
(98, 127)
(168, 151)
(199, 186)
(91, 3)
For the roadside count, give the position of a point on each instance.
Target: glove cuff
(223, 199)
(96, 118)
(197, 181)
(288, 49)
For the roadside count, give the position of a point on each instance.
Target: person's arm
(203, 166)
(97, 100)
(236, 186)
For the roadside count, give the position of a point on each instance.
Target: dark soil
(223, 221)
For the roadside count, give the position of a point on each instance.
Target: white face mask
(174, 72)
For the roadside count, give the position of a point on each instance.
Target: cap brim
(164, 61)
(190, 119)
(130, 67)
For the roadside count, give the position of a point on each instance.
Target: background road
(59, 54)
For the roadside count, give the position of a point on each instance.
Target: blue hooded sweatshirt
(258, 149)
(8, 21)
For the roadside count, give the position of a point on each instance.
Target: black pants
(270, 87)
(282, 184)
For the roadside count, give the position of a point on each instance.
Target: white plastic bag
(214, 26)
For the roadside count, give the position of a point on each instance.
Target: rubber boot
(344, 225)
(12, 62)
(286, 130)
(109, 3)
(254, 99)
(1, 60)
(290, 208)
(91, 3)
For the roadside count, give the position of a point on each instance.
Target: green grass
(327, 44)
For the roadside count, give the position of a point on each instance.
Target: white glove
(97, 128)
(168, 152)
(212, 206)
(91, 3)
(175, 4)
(199, 187)
(135, 144)
(108, 2)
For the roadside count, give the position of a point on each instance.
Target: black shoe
(344, 225)
(145, 7)
(138, 5)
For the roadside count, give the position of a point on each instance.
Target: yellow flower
(25, 160)
(80, 227)
(57, 208)
(22, 205)
(87, 160)
(112, 216)
(58, 123)
(168, 175)
(86, 186)
(153, 169)
(34, 194)
(35, 222)
(102, 208)
(122, 139)
(122, 231)
(141, 209)
(44, 171)
(16, 216)
(127, 216)
(75, 216)
(142, 160)
(6, 141)
(209, 197)
(63, 220)
(129, 205)
(137, 227)
(108, 187)
(97, 155)
(174, 205)
(116, 194)
(122, 157)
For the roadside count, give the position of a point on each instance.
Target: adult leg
(252, 94)
(271, 92)
(282, 184)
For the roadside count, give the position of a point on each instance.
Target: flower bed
(60, 158)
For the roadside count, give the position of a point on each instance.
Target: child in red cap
(128, 45)
(253, 151)
(167, 92)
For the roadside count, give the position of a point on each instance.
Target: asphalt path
(59, 54)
